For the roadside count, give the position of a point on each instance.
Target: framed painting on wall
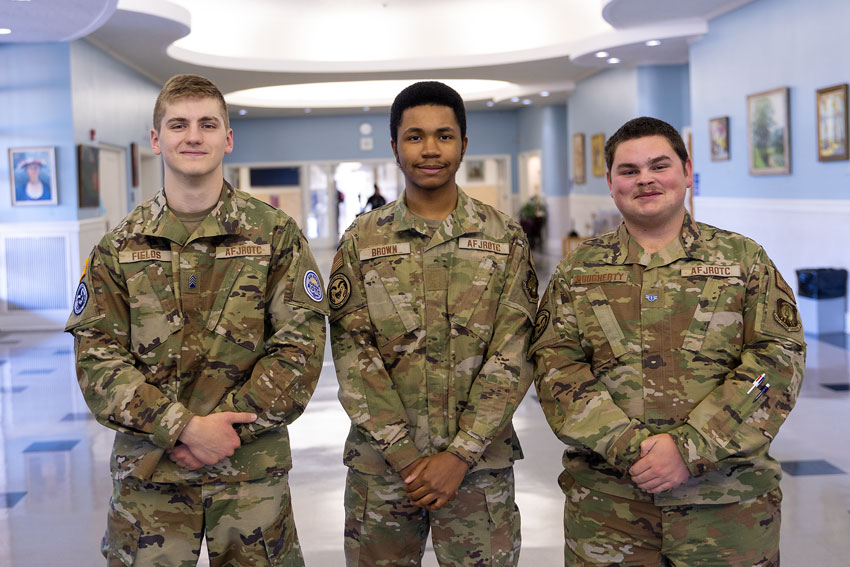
(32, 173)
(597, 154)
(718, 137)
(579, 162)
(832, 123)
(768, 132)
(88, 164)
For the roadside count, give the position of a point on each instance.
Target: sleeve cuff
(466, 447)
(691, 447)
(171, 425)
(401, 453)
(626, 449)
(243, 430)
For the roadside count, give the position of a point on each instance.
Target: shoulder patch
(81, 298)
(786, 315)
(530, 287)
(313, 286)
(339, 290)
(540, 324)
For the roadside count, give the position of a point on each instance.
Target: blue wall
(761, 46)
(35, 111)
(664, 93)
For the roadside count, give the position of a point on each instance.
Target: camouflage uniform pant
(601, 529)
(158, 525)
(480, 528)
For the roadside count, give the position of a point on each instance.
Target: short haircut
(427, 93)
(187, 86)
(640, 128)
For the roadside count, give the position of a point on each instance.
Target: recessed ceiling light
(490, 103)
(308, 110)
(613, 60)
(514, 99)
(526, 101)
(653, 43)
(5, 31)
(544, 93)
(243, 112)
(601, 54)
(367, 108)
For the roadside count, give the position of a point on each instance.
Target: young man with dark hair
(199, 328)
(432, 300)
(667, 355)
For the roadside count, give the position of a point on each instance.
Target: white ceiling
(529, 45)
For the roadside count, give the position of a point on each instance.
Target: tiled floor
(54, 481)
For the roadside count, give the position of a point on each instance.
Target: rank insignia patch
(313, 286)
(339, 290)
(540, 325)
(786, 315)
(81, 298)
(530, 287)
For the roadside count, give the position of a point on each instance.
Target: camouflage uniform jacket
(429, 335)
(168, 327)
(629, 344)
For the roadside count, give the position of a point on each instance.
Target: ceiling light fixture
(366, 109)
(526, 101)
(514, 99)
(544, 93)
(653, 43)
(5, 31)
(490, 103)
(308, 110)
(602, 54)
(614, 60)
(243, 112)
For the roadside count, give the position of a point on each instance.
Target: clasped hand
(208, 439)
(432, 482)
(660, 466)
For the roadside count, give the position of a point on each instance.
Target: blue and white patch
(651, 297)
(81, 298)
(313, 286)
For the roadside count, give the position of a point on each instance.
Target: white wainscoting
(40, 265)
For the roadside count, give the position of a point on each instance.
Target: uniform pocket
(238, 312)
(717, 324)
(475, 308)
(121, 540)
(390, 309)
(153, 309)
(356, 491)
(505, 525)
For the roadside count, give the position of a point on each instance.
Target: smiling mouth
(650, 194)
(430, 168)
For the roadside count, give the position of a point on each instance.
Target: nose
(644, 178)
(430, 147)
(193, 134)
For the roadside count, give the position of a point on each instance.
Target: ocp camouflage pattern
(630, 344)
(173, 327)
(429, 335)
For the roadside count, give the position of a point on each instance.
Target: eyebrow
(201, 119)
(439, 130)
(652, 161)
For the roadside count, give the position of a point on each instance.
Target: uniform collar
(163, 223)
(690, 244)
(459, 222)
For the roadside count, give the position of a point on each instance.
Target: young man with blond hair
(199, 328)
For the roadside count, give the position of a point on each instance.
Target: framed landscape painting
(768, 132)
(579, 161)
(597, 154)
(832, 123)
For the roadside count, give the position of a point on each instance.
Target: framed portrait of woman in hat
(32, 173)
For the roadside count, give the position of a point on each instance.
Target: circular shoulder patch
(81, 298)
(530, 287)
(313, 286)
(540, 324)
(786, 315)
(339, 290)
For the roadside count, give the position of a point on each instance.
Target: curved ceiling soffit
(37, 21)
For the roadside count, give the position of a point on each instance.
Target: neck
(655, 237)
(192, 195)
(435, 205)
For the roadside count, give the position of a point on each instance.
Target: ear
(395, 151)
(689, 173)
(155, 142)
(463, 148)
(229, 147)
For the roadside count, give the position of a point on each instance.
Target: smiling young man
(432, 300)
(647, 345)
(199, 328)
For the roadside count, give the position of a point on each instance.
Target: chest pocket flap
(607, 320)
(473, 310)
(391, 310)
(238, 312)
(153, 309)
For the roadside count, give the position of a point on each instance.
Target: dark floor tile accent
(83, 416)
(837, 387)
(836, 339)
(12, 390)
(48, 446)
(810, 468)
(34, 371)
(9, 499)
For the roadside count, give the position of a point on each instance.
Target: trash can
(822, 299)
